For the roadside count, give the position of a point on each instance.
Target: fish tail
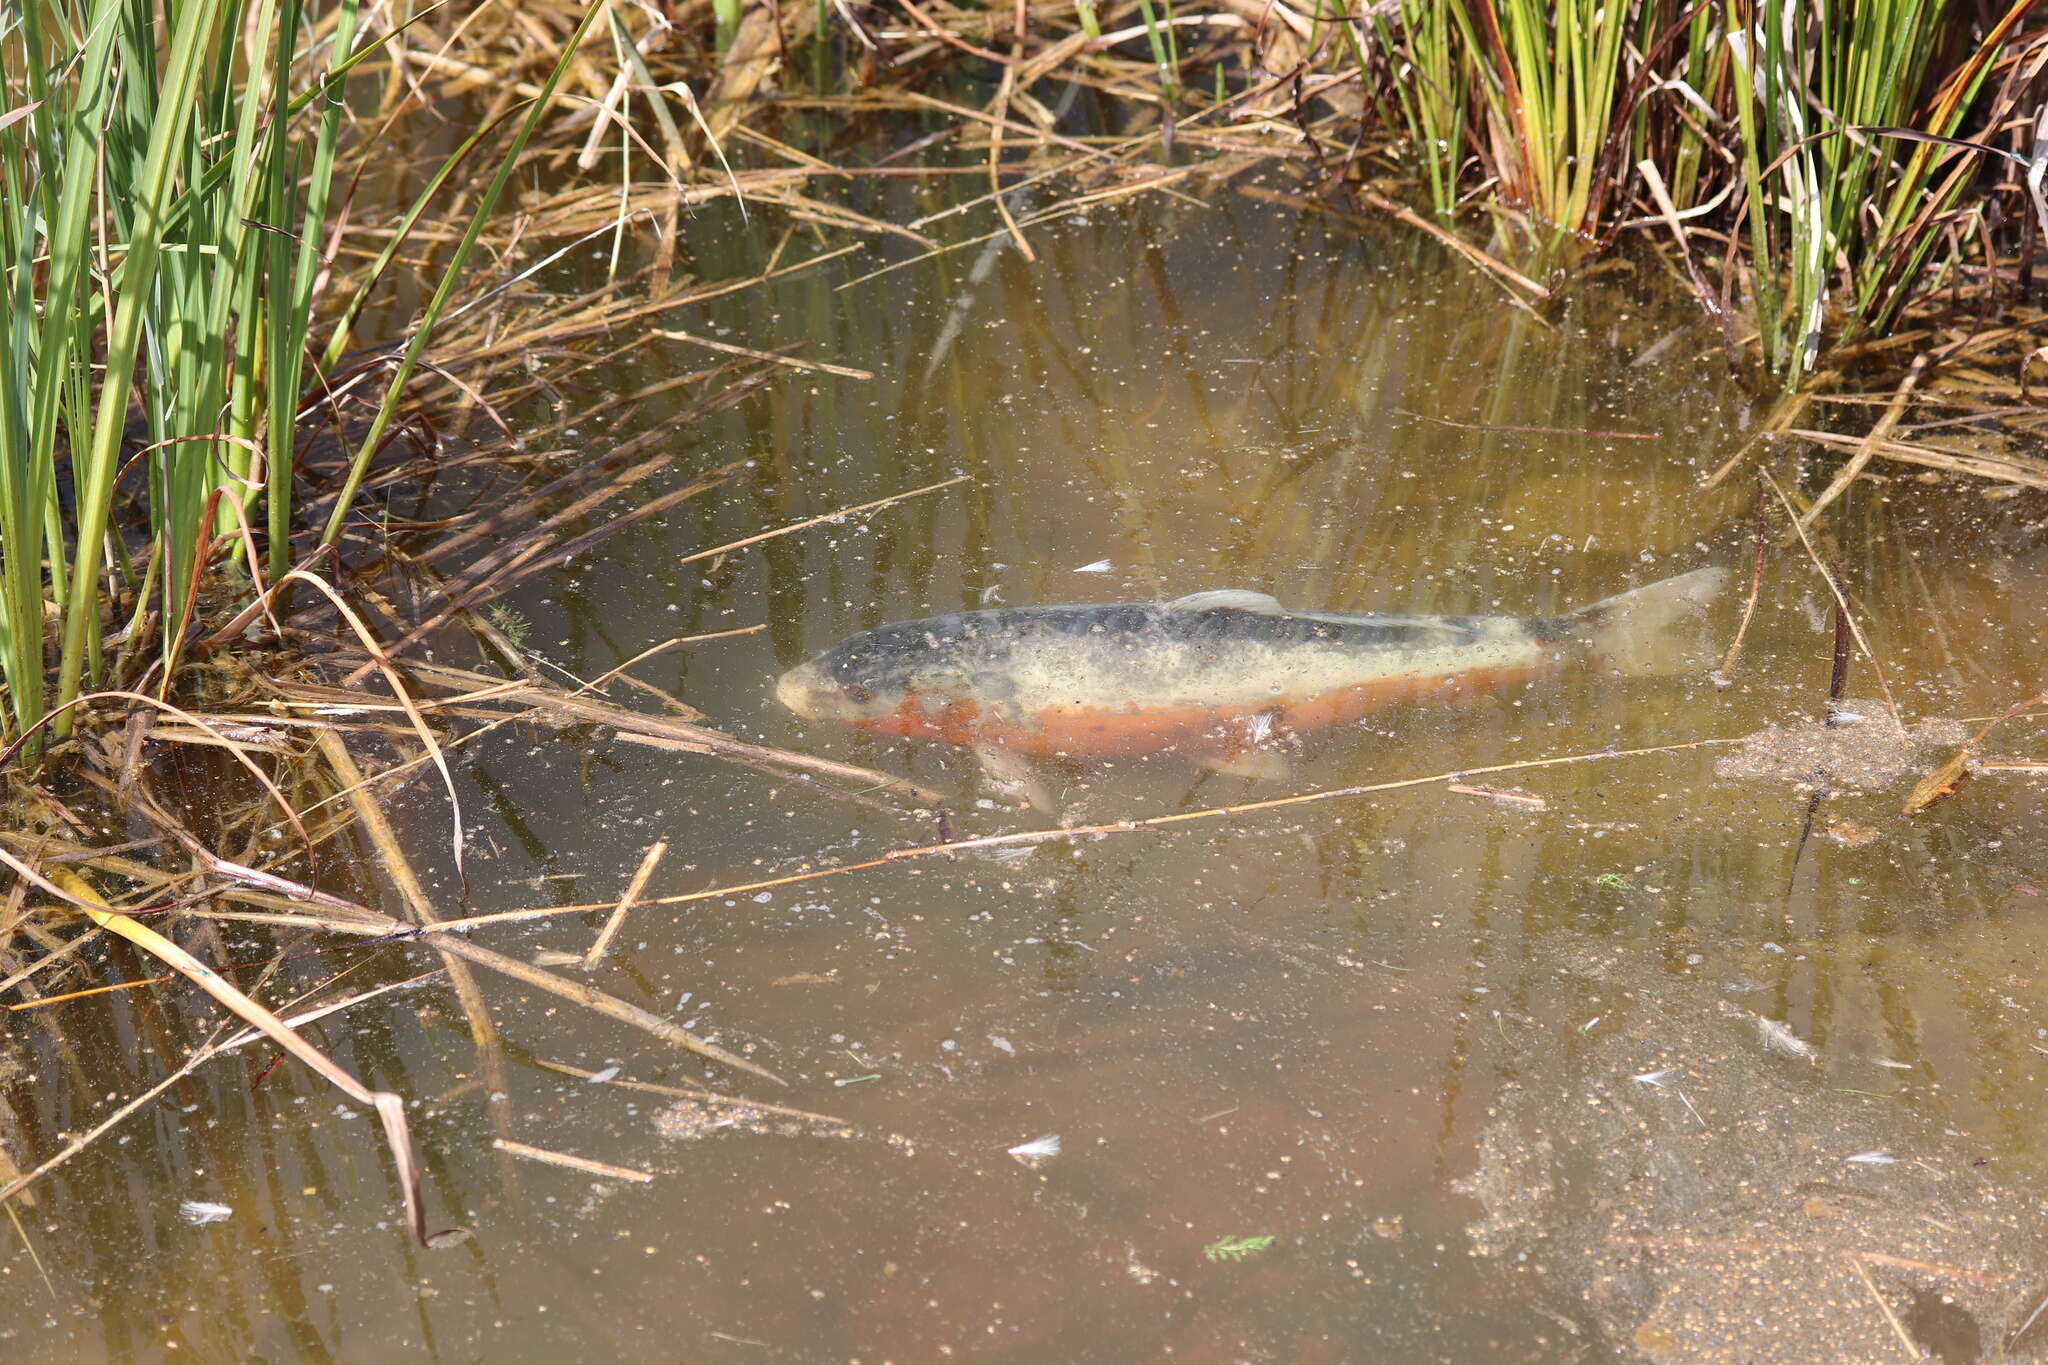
(1655, 630)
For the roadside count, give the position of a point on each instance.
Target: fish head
(878, 680)
(814, 692)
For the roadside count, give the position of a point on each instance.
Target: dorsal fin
(1235, 599)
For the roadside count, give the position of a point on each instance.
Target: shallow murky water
(1423, 1075)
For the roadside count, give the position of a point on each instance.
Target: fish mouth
(803, 690)
(812, 692)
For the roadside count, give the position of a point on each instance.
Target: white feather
(1778, 1038)
(1037, 1150)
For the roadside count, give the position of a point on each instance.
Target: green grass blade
(95, 475)
(451, 274)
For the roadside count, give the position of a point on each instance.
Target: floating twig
(821, 520)
(610, 931)
(573, 1163)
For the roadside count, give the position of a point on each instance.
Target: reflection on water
(1488, 1072)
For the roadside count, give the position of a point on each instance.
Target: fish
(1225, 676)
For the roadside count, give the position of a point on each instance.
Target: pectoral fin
(1260, 765)
(1013, 776)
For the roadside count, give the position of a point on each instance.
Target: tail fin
(1654, 630)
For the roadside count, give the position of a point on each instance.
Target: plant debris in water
(693, 1119)
(1236, 1248)
(1869, 754)
(200, 1212)
(1753, 1223)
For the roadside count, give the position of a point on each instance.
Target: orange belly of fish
(1084, 732)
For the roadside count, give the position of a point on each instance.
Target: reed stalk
(1089, 19)
(1428, 80)
(1165, 48)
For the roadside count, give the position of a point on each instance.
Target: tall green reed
(94, 206)
(1427, 77)
(1824, 93)
(1551, 85)
(1535, 93)
(167, 176)
(1159, 36)
(1786, 122)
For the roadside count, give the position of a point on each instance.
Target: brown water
(1469, 1079)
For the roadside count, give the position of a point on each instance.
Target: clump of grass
(1550, 78)
(168, 179)
(1822, 136)
(1856, 210)
(1430, 93)
(157, 231)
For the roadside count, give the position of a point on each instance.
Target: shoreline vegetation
(203, 437)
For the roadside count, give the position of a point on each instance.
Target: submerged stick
(483, 1030)
(618, 917)
(1841, 602)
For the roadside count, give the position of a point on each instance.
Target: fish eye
(857, 694)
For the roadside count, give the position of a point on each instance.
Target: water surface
(1487, 1071)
